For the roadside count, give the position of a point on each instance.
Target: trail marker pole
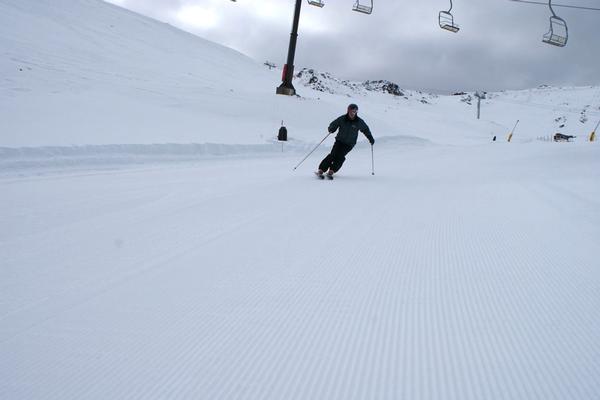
(593, 134)
(511, 132)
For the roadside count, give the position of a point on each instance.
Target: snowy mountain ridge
(571, 98)
(95, 74)
(326, 82)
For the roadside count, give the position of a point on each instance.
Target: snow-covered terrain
(157, 243)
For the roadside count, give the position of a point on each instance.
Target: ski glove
(372, 141)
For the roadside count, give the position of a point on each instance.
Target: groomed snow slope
(173, 253)
(453, 273)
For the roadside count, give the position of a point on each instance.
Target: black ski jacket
(348, 129)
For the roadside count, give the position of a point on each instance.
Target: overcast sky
(499, 45)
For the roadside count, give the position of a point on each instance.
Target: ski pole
(311, 151)
(372, 162)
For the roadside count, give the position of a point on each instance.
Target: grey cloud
(498, 47)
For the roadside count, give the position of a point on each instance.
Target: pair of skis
(323, 176)
(330, 177)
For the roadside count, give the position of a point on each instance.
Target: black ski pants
(336, 158)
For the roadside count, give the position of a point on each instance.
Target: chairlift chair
(364, 7)
(446, 20)
(318, 3)
(558, 33)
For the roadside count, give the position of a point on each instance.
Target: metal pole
(372, 162)
(311, 151)
(286, 86)
(479, 97)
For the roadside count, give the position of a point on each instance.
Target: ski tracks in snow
(415, 283)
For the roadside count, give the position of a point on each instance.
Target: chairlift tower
(286, 87)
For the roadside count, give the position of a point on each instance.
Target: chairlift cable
(556, 5)
(551, 9)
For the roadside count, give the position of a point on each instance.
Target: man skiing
(348, 124)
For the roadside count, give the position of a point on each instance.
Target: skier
(348, 124)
